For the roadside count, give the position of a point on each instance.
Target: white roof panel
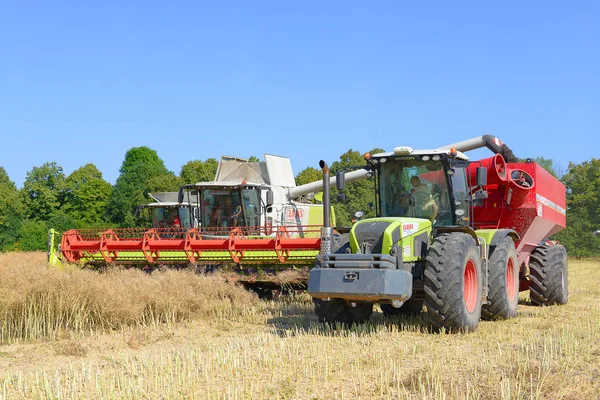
(280, 171)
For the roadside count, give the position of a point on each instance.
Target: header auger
(459, 237)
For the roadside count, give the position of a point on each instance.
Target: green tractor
(444, 239)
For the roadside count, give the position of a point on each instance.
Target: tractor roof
(408, 151)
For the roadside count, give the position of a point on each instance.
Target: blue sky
(83, 82)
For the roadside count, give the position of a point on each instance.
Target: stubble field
(126, 334)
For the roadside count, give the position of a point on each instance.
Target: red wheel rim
(470, 286)
(511, 277)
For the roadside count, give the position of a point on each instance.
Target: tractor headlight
(426, 158)
(437, 157)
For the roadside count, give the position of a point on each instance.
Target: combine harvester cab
(459, 237)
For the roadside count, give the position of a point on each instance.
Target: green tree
(42, 191)
(360, 195)
(141, 164)
(164, 183)
(32, 236)
(308, 175)
(253, 159)
(11, 212)
(86, 195)
(141, 156)
(583, 209)
(199, 171)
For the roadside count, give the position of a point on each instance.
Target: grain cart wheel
(453, 282)
(342, 312)
(410, 307)
(549, 274)
(503, 282)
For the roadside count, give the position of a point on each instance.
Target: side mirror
(481, 178)
(269, 198)
(137, 212)
(340, 181)
(180, 196)
(341, 197)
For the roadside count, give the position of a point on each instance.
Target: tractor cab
(422, 184)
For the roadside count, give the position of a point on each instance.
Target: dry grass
(279, 351)
(37, 302)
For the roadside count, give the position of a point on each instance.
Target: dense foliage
(82, 199)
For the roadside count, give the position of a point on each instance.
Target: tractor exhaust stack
(326, 230)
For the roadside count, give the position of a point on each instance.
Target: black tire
(549, 275)
(342, 312)
(503, 282)
(410, 307)
(453, 283)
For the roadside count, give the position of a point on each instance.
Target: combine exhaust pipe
(326, 230)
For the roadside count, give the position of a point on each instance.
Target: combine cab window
(167, 217)
(251, 207)
(184, 217)
(229, 208)
(414, 188)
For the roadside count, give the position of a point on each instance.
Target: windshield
(224, 208)
(184, 217)
(170, 217)
(414, 188)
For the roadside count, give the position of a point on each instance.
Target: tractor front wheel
(503, 282)
(453, 283)
(549, 275)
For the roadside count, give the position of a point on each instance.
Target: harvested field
(127, 334)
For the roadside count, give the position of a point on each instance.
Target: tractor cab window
(413, 188)
(460, 191)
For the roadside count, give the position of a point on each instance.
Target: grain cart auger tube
(458, 237)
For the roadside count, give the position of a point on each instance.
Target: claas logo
(291, 213)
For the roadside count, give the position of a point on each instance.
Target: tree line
(83, 199)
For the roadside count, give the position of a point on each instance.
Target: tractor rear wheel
(549, 275)
(410, 307)
(503, 282)
(342, 312)
(453, 282)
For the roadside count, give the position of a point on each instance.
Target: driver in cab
(424, 204)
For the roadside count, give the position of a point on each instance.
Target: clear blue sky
(85, 81)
